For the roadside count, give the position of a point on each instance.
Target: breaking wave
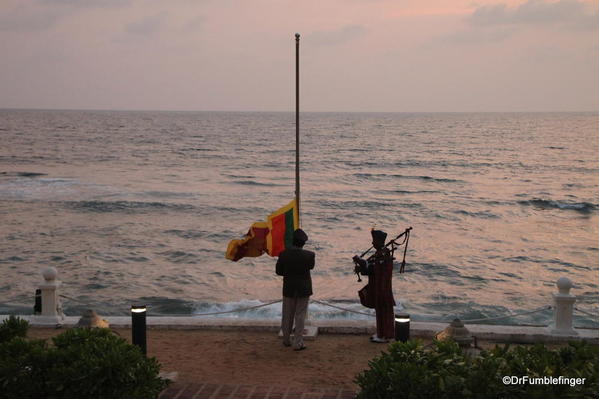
(126, 206)
(581, 207)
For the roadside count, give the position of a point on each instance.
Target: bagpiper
(378, 293)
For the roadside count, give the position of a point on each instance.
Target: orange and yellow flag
(252, 245)
(270, 237)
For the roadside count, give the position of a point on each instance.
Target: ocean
(138, 207)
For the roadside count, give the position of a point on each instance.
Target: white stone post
(51, 312)
(563, 303)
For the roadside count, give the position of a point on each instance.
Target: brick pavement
(229, 391)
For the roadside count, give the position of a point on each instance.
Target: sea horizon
(303, 111)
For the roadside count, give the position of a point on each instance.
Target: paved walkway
(215, 391)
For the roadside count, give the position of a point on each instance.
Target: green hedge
(23, 367)
(13, 327)
(82, 363)
(409, 370)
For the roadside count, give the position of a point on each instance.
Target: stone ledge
(493, 333)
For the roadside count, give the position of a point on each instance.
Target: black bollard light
(402, 327)
(138, 326)
(37, 306)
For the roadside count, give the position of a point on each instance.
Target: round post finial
(50, 274)
(564, 285)
(297, 36)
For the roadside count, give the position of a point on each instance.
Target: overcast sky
(356, 55)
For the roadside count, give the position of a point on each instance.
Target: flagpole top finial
(297, 36)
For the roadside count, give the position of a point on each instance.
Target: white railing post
(51, 311)
(563, 303)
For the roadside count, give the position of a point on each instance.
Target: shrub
(22, 367)
(83, 363)
(410, 370)
(94, 363)
(13, 327)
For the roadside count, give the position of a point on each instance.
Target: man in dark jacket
(294, 264)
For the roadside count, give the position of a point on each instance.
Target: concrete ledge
(493, 333)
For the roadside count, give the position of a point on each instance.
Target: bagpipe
(393, 244)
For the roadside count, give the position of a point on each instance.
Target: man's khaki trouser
(294, 309)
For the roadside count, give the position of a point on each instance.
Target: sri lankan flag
(252, 245)
(272, 236)
(281, 225)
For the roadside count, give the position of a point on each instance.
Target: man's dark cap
(378, 235)
(300, 235)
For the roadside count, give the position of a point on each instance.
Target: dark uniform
(294, 264)
(379, 270)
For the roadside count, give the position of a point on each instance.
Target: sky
(355, 55)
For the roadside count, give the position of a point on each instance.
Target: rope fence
(195, 314)
(237, 310)
(509, 315)
(75, 300)
(539, 310)
(544, 308)
(340, 308)
(587, 313)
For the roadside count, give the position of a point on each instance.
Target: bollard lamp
(138, 326)
(402, 327)
(37, 307)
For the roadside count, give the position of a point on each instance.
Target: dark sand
(225, 357)
(257, 358)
